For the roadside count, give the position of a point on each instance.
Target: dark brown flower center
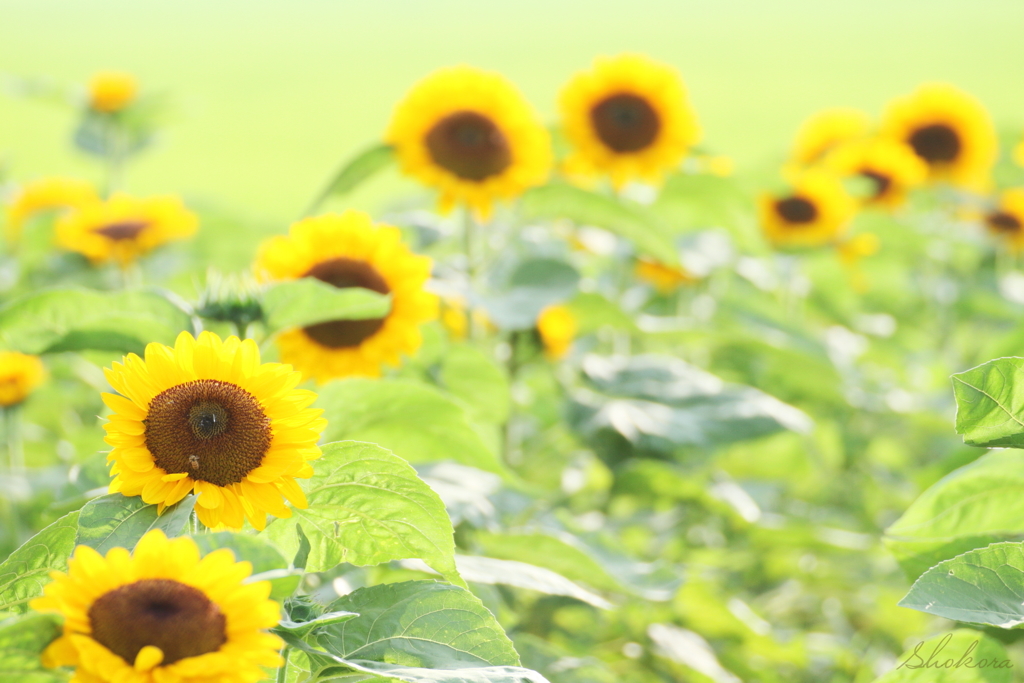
(1002, 221)
(469, 145)
(625, 123)
(796, 210)
(178, 619)
(342, 273)
(882, 182)
(212, 430)
(937, 143)
(122, 230)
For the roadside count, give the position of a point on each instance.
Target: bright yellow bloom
(112, 91)
(627, 118)
(816, 212)
(43, 195)
(349, 250)
(207, 417)
(949, 130)
(1006, 221)
(470, 134)
(664, 278)
(891, 167)
(161, 614)
(123, 228)
(19, 376)
(557, 328)
(827, 129)
(455, 317)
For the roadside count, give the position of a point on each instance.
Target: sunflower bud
(231, 298)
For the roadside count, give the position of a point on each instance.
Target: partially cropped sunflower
(349, 250)
(470, 134)
(112, 91)
(891, 167)
(207, 417)
(949, 130)
(557, 328)
(824, 131)
(46, 194)
(123, 228)
(663, 278)
(20, 374)
(627, 118)
(1006, 221)
(161, 614)
(815, 212)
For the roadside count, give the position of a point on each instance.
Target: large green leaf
(972, 507)
(963, 656)
(478, 382)
(621, 216)
(984, 586)
(366, 507)
(413, 420)
(355, 171)
(27, 570)
(306, 301)
(115, 521)
(990, 403)
(22, 641)
(80, 319)
(534, 284)
(690, 201)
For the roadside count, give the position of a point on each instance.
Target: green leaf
(80, 319)
(990, 403)
(359, 169)
(302, 628)
(970, 508)
(593, 311)
(984, 586)
(268, 564)
(479, 383)
(295, 303)
(27, 570)
(413, 420)
(623, 217)
(22, 641)
(691, 202)
(534, 284)
(963, 656)
(116, 521)
(366, 507)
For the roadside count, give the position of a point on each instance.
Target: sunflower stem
(468, 228)
(282, 672)
(114, 157)
(131, 275)
(512, 366)
(15, 445)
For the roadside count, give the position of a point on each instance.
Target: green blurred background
(270, 95)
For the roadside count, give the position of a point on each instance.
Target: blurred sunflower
(161, 614)
(628, 117)
(207, 417)
(111, 91)
(815, 213)
(123, 228)
(46, 194)
(1006, 221)
(663, 278)
(891, 167)
(470, 134)
(557, 328)
(348, 250)
(949, 130)
(20, 374)
(825, 130)
(454, 315)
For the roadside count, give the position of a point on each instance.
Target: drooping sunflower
(1006, 221)
(470, 134)
(112, 91)
(349, 250)
(628, 117)
(664, 278)
(207, 417)
(891, 167)
(824, 131)
(949, 130)
(20, 374)
(557, 328)
(123, 228)
(43, 195)
(815, 212)
(161, 614)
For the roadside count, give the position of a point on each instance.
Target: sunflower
(112, 91)
(43, 195)
(207, 417)
(815, 212)
(348, 250)
(470, 134)
(949, 130)
(891, 167)
(628, 117)
(123, 228)
(455, 317)
(664, 278)
(161, 614)
(20, 374)
(557, 328)
(827, 129)
(1007, 219)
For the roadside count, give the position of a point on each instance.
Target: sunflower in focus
(470, 134)
(947, 129)
(112, 91)
(891, 167)
(46, 194)
(348, 250)
(815, 212)
(123, 228)
(161, 614)
(20, 374)
(1006, 221)
(663, 278)
(557, 328)
(206, 417)
(826, 130)
(628, 117)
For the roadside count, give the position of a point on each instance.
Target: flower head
(112, 91)
(1006, 220)
(43, 195)
(891, 168)
(557, 328)
(20, 374)
(815, 212)
(826, 130)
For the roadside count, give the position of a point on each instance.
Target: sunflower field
(524, 391)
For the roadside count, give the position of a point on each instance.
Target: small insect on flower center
(796, 210)
(343, 273)
(937, 143)
(881, 182)
(122, 230)
(625, 123)
(470, 145)
(179, 619)
(1001, 221)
